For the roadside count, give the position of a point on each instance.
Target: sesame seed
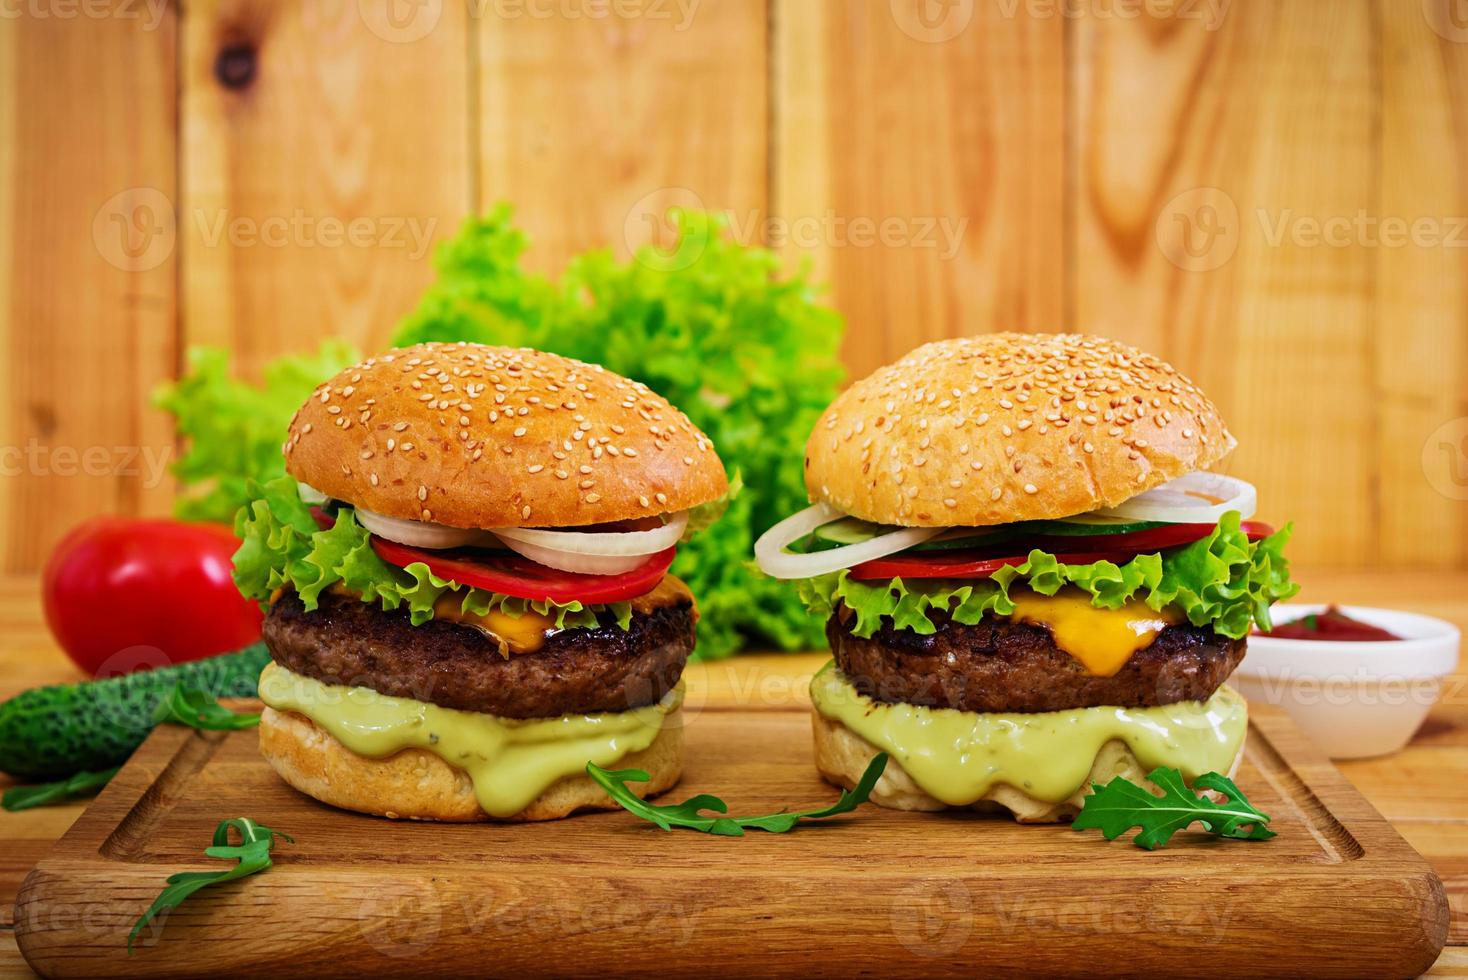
(422, 493)
(1031, 488)
(535, 469)
(996, 493)
(525, 511)
(592, 498)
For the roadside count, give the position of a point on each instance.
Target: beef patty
(354, 643)
(998, 665)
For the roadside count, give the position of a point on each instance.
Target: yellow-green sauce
(511, 761)
(957, 756)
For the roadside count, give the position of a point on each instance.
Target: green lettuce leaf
(281, 546)
(1224, 581)
(726, 332)
(232, 430)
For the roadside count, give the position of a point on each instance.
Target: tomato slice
(518, 576)
(982, 563)
(1144, 542)
(1256, 530)
(963, 564)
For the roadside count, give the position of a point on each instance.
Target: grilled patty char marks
(998, 665)
(350, 642)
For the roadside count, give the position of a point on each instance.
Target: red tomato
(1256, 530)
(975, 563)
(1144, 542)
(516, 575)
(122, 594)
(962, 564)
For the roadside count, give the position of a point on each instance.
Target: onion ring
(770, 551)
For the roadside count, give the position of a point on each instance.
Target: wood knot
(235, 66)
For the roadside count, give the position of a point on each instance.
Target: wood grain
(1333, 352)
(919, 174)
(317, 182)
(87, 270)
(1031, 168)
(1200, 139)
(929, 895)
(593, 126)
(1421, 296)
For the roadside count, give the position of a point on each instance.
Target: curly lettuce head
(1224, 581)
(722, 330)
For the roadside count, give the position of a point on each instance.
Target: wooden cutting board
(1337, 893)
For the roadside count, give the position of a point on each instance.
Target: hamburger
(1029, 580)
(465, 570)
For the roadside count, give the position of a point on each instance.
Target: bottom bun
(842, 756)
(417, 785)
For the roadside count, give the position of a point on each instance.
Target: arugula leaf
(231, 429)
(77, 785)
(1121, 805)
(689, 814)
(724, 331)
(252, 853)
(1223, 581)
(198, 709)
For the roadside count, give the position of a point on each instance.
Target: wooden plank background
(1213, 180)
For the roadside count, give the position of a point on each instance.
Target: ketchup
(1331, 625)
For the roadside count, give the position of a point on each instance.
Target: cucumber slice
(849, 530)
(968, 537)
(1087, 525)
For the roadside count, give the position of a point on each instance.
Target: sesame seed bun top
(1009, 427)
(474, 436)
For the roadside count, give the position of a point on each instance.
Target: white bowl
(1353, 700)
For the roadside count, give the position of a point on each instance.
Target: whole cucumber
(52, 732)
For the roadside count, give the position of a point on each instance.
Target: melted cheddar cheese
(1102, 640)
(528, 632)
(525, 633)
